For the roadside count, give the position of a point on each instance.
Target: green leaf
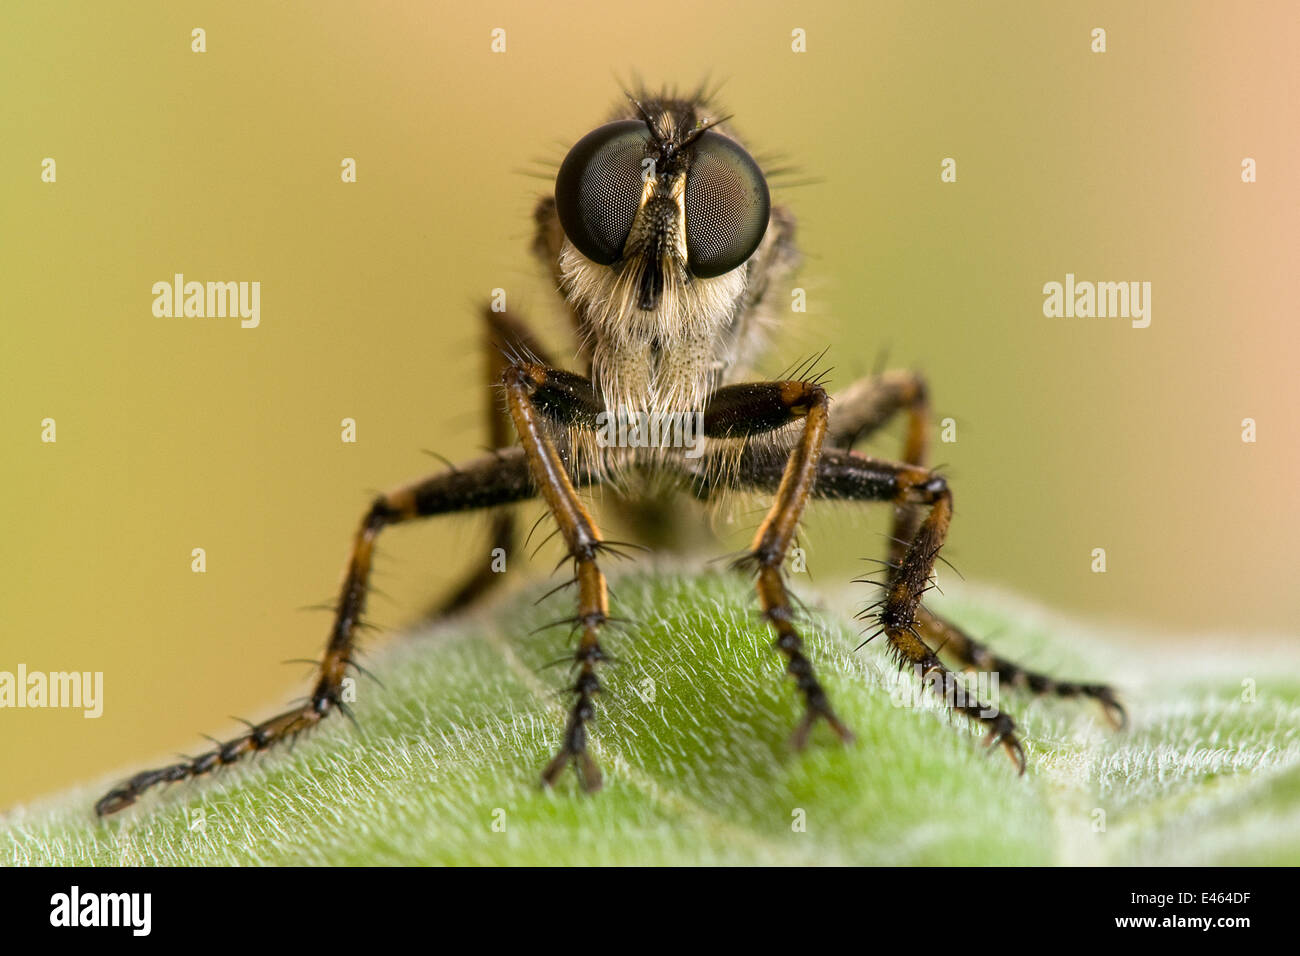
(692, 735)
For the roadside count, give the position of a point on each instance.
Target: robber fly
(661, 236)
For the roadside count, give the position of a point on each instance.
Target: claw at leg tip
(1012, 746)
(799, 739)
(1017, 755)
(846, 736)
(590, 773)
(1116, 716)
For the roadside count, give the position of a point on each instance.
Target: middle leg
(505, 335)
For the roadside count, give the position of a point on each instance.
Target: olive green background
(180, 433)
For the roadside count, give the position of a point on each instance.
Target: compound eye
(598, 189)
(727, 206)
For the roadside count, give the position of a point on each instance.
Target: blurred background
(175, 433)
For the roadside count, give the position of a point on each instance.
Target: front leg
(535, 392)
(745, 410)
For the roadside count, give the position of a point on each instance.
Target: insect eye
(727, 206)
(598, 189)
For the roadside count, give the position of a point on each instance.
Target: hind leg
(863, 408)
(846, 476)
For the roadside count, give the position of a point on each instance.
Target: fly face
(662, 215)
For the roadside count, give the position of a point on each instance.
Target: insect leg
(739, 410)
(506, 335)
(489, 481)
(870, 403)
(534, 393)
(864, 407)
(847, 476)
(976, 656)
